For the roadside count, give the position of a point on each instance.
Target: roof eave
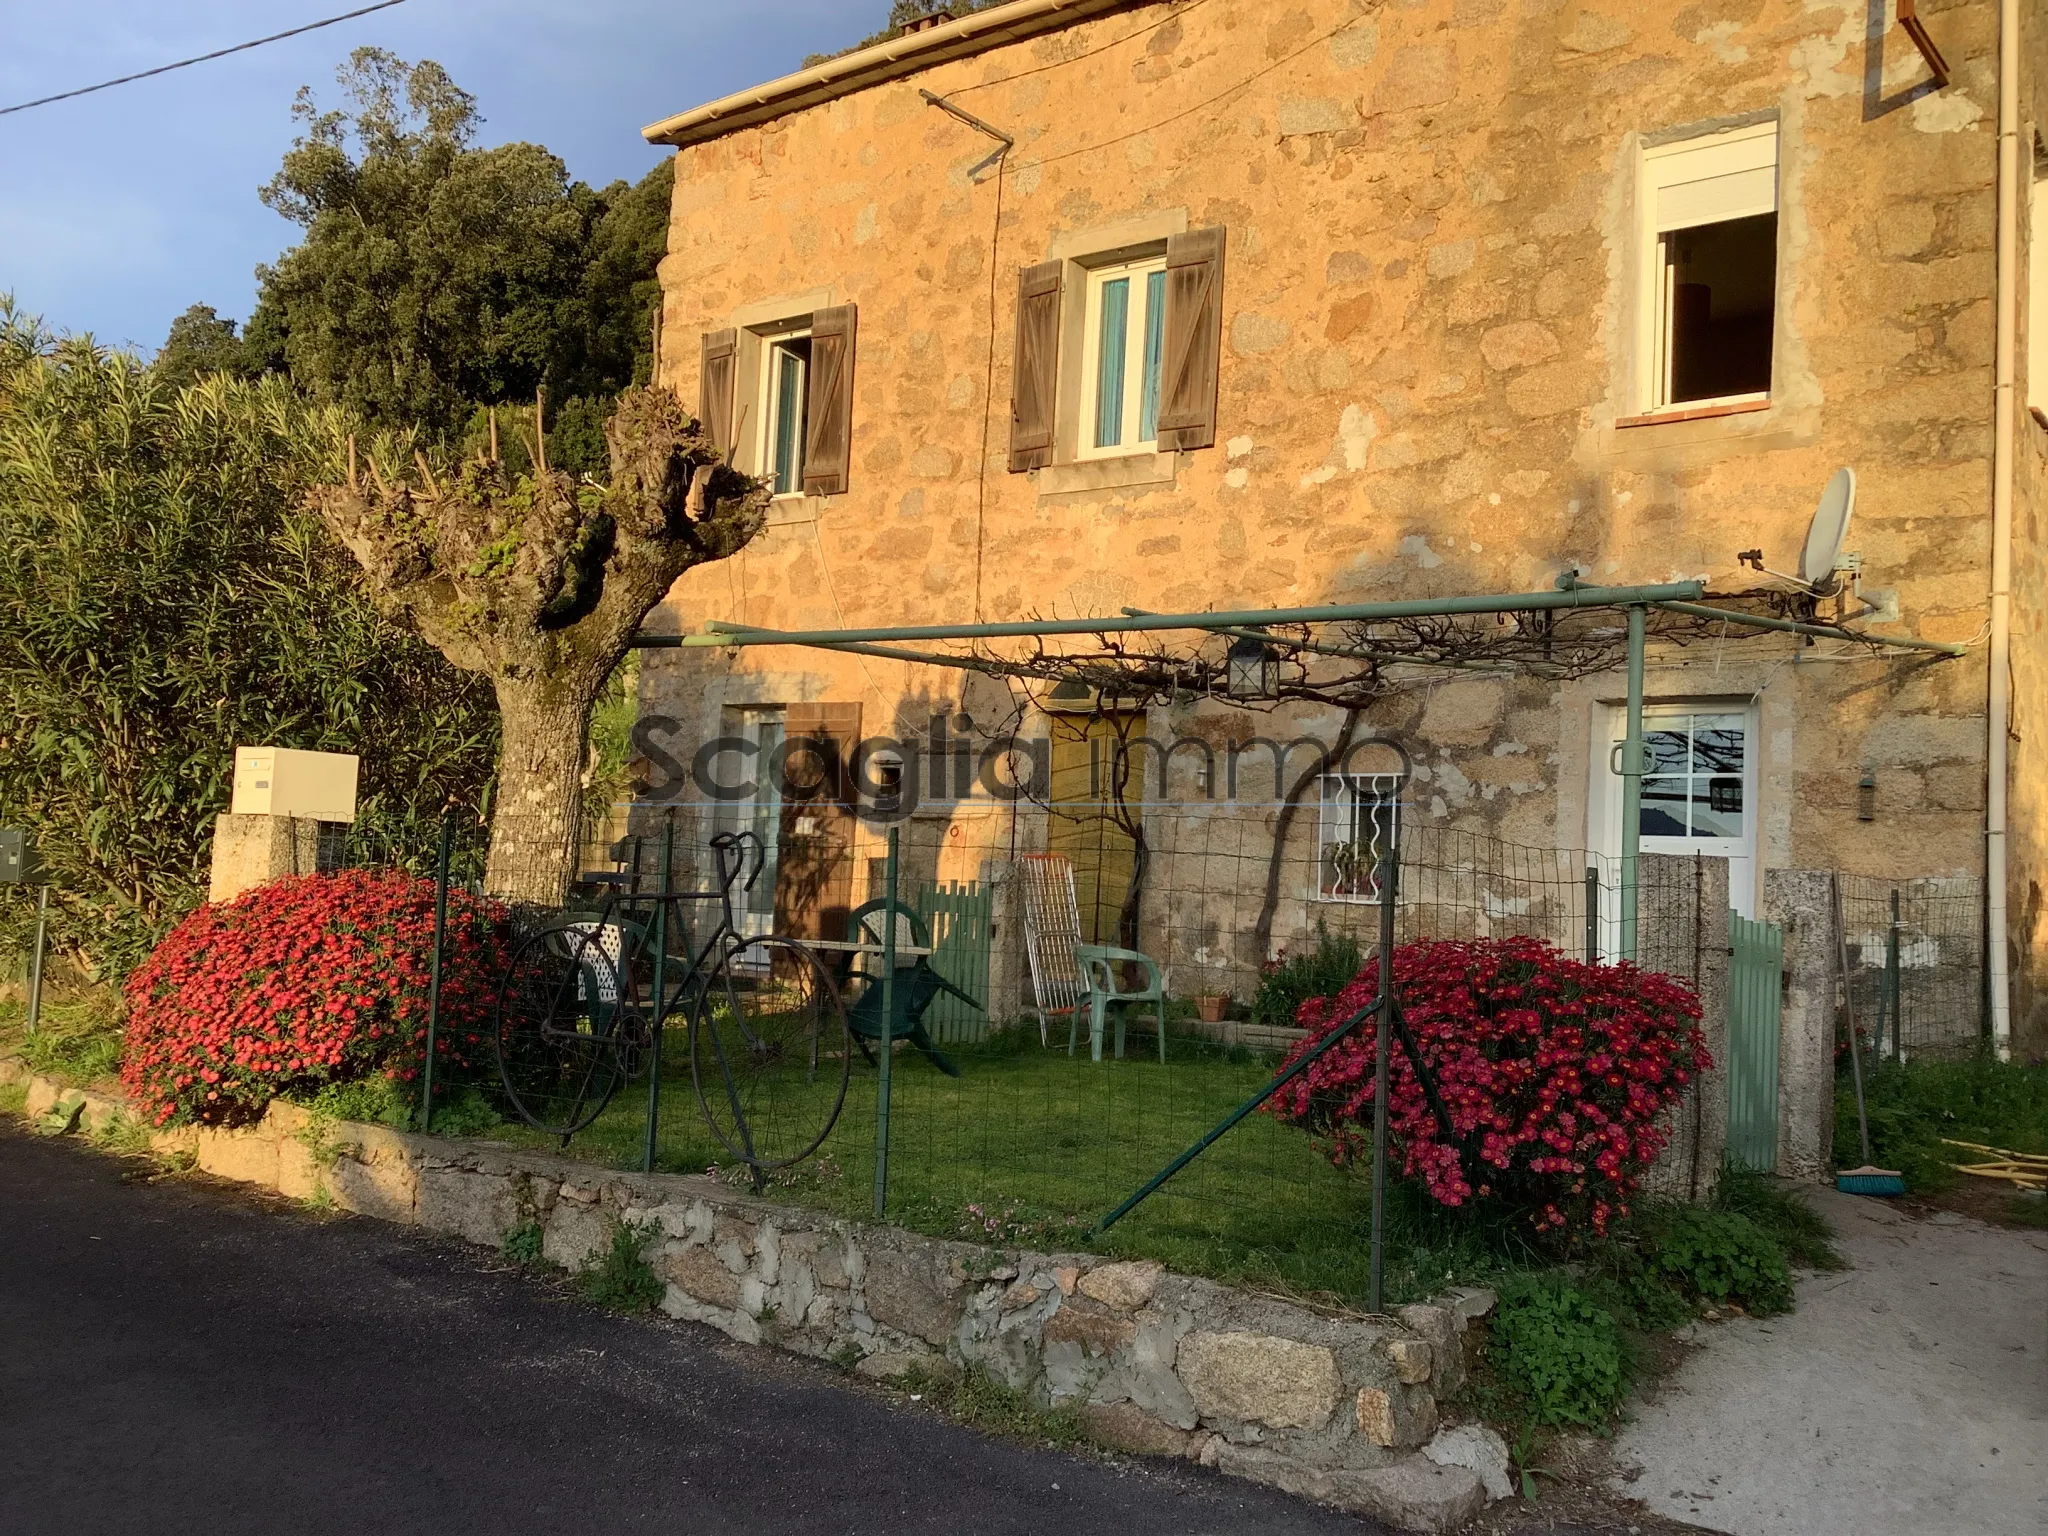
(892, 60)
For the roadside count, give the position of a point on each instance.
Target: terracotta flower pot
(1211, 1006)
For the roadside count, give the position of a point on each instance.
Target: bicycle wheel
(567, 1035)
(769, 1051)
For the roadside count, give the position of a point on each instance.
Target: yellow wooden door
(1089, 777)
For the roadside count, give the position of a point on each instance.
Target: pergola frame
(1687, 599)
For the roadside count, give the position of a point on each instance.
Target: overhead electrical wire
(218, 53)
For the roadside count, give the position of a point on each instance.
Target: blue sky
(120, 209)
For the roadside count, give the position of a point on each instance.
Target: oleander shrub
(304, 983)
(1554, 1073)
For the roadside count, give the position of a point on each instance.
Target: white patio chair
(1068, 975)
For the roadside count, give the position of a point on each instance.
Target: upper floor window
(1122, 350)
(1118, 353)
(1710, 269)
(782, 410)
(777, 399)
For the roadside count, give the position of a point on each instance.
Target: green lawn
(1031, 1147)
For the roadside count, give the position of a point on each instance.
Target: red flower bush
(1554, 1073)
(306, 981)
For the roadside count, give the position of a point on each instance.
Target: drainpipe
(2005, 430)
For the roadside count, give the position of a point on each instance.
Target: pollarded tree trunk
(539, 583)
(535, 815)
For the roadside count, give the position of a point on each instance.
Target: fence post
(1390, 868)
(35, 964)
(434, 971)
(1892, 982)
(1632, 785)
(888, 1042)
(1592, 914)
(655, 1019)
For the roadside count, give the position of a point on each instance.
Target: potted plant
(1210, 1007)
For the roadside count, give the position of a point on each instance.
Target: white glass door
(1699, 790)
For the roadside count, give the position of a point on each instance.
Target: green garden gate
(960, 915)
(1755, 998)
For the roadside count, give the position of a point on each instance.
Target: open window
(778, 400)
(1710, 270)
(1359, 823)
(783, 409)
(1122, 350)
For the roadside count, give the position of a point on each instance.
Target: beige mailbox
(312, 786)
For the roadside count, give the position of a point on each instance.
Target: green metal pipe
(655, 1017)
(434, 971)
(1222, 1127)
(888, 1042)
(1818, 631)
(1632, 784)
(35, 967)
(850, 647)
(1347, 652)
(723, 633)
(1390, 867)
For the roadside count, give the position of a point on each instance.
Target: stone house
(1070, 306)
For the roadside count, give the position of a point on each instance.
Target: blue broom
(1866, 1180)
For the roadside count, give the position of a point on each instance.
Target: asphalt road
(177, 1356)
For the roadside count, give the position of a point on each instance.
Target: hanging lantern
(1252, 669)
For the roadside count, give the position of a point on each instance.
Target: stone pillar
(1802, 901)
(249, 851)
(1684, 927)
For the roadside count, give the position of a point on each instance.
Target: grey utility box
(18, 862)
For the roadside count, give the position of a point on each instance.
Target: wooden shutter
(1194, 340)
(814, 859)
(715, 384)
(1034, 379)
(828, 438)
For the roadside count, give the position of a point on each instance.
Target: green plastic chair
(1068, 975)
(1099, 965)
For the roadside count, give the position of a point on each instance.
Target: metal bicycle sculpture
(584, 999)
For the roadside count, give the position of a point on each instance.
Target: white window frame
(767, 406)
(1712, 178)
(1353, 876)
(1138, 272)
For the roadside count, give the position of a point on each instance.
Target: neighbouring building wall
(1431, 374)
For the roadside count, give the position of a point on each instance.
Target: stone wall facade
(1429, 380)
(1336, 1407)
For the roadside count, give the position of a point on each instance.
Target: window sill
(1693, 413)
(1108, 474)
(795, 507)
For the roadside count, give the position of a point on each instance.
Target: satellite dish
(1830, 527)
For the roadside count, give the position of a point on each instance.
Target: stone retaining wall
(1336, 1408)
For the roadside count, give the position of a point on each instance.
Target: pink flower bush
(309, 980)
(1554, 1072)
